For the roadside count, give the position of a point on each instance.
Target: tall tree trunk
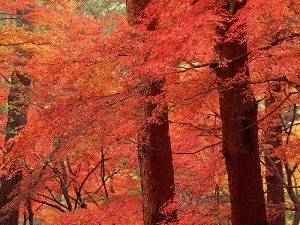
(154, 149)
(17, 118)
(275, 188)
(155, 158)
(238, 109)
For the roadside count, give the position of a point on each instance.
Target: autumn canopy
(149, 112)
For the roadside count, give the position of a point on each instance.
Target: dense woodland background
(149, 112)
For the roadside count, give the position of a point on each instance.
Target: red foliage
(85, 74)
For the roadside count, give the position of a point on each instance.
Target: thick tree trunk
(155, 158)
(17, 117)
(238, 110)
(154, 149)
(275, 188)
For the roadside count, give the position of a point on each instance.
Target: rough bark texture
(154, 149)
(275, 190)
(156, 168)
(17, 117)
(238, 110)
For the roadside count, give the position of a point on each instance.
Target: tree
(238, 110)
(154, 148)
(98, 81)
(17, 118)
(275, 190)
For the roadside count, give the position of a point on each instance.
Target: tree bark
(275, 193)
(296, 219)
(17, 118)
(275, 188)
(292, 193)
(155, 159)
(154, 149)
(238, 110)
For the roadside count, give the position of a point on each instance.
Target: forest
(134, 112)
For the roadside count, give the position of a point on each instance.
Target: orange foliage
(85, 74)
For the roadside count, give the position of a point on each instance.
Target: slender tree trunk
(275, 188)
(296, 219)
(238, 110)
(275, 193)
(154, 149)
(30, 219)
(17, 118)
(292, 193)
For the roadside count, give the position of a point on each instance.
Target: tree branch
(197, 127)
(215, 64)
(239, 131)
(48, 204)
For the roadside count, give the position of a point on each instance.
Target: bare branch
(52, 199)
(5, 78)
(198, 128)
(48, 204)
(84, 180)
